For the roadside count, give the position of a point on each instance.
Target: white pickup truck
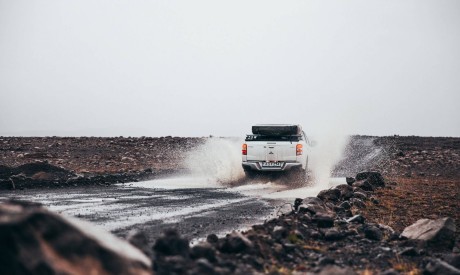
(275, 148)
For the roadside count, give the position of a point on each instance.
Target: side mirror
(313, 143)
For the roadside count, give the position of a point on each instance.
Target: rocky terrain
(399, 221)
(30, 162)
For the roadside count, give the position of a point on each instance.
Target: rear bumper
(257, 166)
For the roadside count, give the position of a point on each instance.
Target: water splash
(323, 157)
(218, 159)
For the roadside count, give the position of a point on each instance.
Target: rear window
(273, 138)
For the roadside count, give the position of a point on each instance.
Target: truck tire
(250, 174)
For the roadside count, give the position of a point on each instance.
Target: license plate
(272, 164)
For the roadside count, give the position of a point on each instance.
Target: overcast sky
(194, 68)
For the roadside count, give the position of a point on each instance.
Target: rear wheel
(250, 174)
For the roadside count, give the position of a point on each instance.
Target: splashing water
(322, 158)
(218, 159)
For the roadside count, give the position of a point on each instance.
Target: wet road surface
(195, 206)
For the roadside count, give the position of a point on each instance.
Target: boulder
(364, 185)
(373, 233)
(203, 250)
(333, 235)
(439, 267)
(313, 205)
(171, 244)
(345, 205)
(329, 194)
(235, 243)
(324, 219)
(357, 203)
(5, 172)
(374, 178)
(360, 195)
(313, 200)
(34, 240)
(350, 180)
(438, 233)
(346, 191)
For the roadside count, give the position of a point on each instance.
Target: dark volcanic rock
(374, 178)
(171, 244)
(203, 250)
(346, 191)
(36, 241)
(350, 180)
(373, 233)
(438, 233)
(212, 238)
(438, 267)
(235, 243)
(364, 185)
(360, 195)
(329, 195)
(5, 172)
(324, 219)
(357, 203)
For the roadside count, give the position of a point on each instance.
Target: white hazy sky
(194, 68)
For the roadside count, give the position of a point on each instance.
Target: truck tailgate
(271, 151)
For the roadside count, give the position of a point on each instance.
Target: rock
(176, 264)
(5, 171)
(453, 260)
(408, 251)
(203, 250)
(203, 266)
(313, 205)
(364, 184)
(438, 267)
(171, 244)
(374, 178)
(313, 201)
(345, 205)
(329, 195)
(373, 233)
(30, 169)
(350, 180)
(279, 232)
(333, 235)
(356, 219)
(360, 196)
(439, 234)
(357, 203)
(212, 238)
(346, 191)
(312, 208)
(235, 243)
(34, 240)
(323, 220)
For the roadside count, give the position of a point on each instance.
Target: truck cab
(275, 148)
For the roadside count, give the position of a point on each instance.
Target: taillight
(245, 149)
(298, 149)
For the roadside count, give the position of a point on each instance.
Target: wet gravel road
(195, 206)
